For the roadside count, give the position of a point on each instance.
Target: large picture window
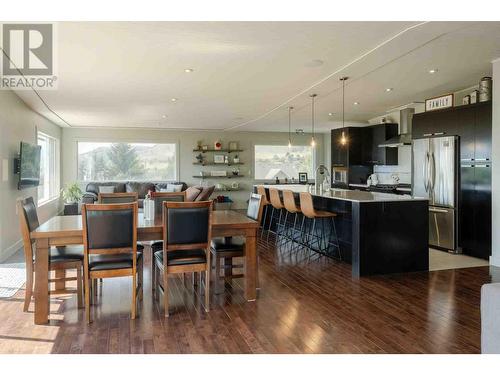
(49, 168)
(282, 161)
(106, 161)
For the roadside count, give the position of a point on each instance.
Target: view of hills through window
(98, 161)
(282, 162)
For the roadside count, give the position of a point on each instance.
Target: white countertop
(349, 195)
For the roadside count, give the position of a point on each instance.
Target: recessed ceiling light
(188, 70)
(432, 71)
(389, 89)
(173, 99)
(330, 114)
(164, 116)
(356, 103)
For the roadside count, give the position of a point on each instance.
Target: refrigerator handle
(433, 173)
(425, 172)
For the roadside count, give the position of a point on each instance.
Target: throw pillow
(206, 192)
(172, 188)
(106, 189)
(191, 193)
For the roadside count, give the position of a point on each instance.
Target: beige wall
(186, 141)
(18, 123)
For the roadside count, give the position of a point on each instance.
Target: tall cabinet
(472, 123)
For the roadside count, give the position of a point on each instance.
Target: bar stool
(291, 207)
(322, 240)
(277, 205)
(261, 190)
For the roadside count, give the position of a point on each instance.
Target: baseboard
(11, 250)
(495, 260)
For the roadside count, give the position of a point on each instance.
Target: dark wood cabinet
(472, 124)
(339, 151)
(383, 155)
(362, 147)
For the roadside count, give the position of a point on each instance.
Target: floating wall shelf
(212, 150)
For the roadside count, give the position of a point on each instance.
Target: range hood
(405, 123)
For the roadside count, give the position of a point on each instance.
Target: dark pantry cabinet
(472, 123)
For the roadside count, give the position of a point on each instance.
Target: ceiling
(246, 74)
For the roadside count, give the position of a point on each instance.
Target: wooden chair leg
(79, 287)
(218, 288)
(153, 274)
(141, 279)
(207, 289)
(165, 292)
(29, 289)
(134, 295)
(87, 298)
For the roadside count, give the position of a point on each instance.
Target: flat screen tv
(29, 166)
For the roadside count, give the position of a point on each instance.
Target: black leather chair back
(118, 198)
(30, 213)
(159, 198)
(110, 228)
(187, 225)
(254, 206)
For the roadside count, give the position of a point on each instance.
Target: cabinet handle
(468, 159)
(427, 134)
(482, 166)
(483, 159)
(440, 133)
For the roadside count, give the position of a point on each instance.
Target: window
(49, 168)
(283, 162)
(103, 161)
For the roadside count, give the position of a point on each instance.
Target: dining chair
(187, 228)
(110, 247)
(228, 248)
(61, 259)
(108, 198)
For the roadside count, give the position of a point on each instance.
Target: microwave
(339, 175)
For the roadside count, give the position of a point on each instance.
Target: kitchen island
(378, 233)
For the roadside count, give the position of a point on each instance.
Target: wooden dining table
(67, 230)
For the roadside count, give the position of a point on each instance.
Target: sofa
(193, 193)
(141, 188)
(490, 318)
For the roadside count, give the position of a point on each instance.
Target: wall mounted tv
(29, 166)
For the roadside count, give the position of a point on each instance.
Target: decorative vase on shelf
(236, 159)
(218, 145)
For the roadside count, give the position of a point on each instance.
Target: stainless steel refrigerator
(434, 176)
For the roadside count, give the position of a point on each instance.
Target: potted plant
(71, 195)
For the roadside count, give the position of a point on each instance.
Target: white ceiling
(246, 74)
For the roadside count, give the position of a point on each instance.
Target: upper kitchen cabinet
(482, 132)
(383, 155)
(472, 123)
(339, 151)
(362, 147)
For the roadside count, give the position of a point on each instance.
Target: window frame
(314, 159)
(130, 141)
(54, 169)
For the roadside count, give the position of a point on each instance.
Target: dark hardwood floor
(307, 304)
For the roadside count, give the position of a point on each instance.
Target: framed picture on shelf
(303, 177)
(219, 159)
(233, 146)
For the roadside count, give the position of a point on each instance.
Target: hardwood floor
(307, 304)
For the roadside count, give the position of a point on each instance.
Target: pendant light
(313, 141)
(343, 138)
(290, 127)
